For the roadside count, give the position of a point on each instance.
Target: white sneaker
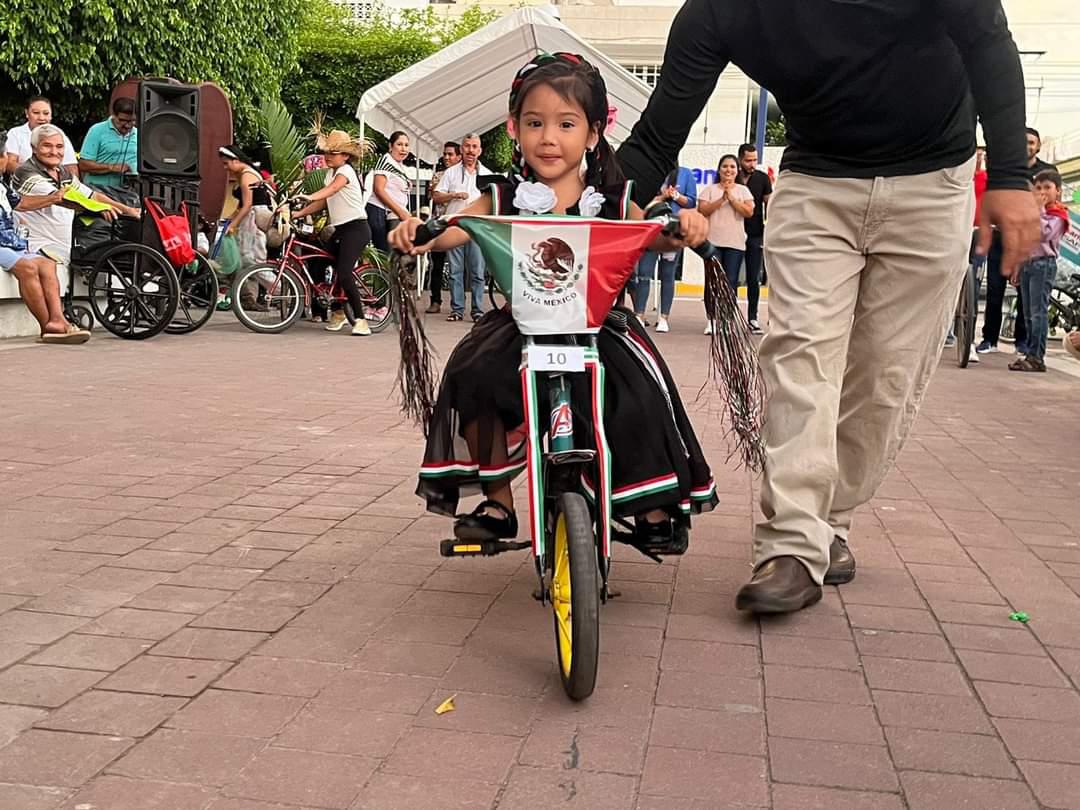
(360, 328)
(974, 355)
(755, 328)
(662, 325)
(709, 328)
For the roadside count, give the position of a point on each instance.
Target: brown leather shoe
(841, 563)
(433, 309)
(781, 585)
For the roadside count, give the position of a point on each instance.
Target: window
(360, 9)
(647, 73)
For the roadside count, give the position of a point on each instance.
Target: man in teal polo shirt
(109, 150)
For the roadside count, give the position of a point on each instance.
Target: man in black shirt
(868, 232)
(760, 187)
(995, 281)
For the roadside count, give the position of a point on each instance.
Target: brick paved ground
(218, 592)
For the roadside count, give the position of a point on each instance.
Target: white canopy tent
(464, 87)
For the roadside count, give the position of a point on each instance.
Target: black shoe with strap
(481, 525)
(841, 563)
(668, 537)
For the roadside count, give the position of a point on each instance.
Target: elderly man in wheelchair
(39, 286)
(47, 199)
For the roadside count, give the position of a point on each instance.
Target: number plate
(556, 358)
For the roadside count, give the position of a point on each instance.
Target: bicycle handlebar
(433, 228)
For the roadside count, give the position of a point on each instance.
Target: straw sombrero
(337, 140)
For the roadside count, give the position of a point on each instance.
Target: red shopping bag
(175, 233)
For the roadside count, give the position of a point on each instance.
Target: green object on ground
(1020, 616)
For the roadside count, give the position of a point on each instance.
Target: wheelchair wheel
(198, 297)
(81, 316)
(133, 291)
(267, 298)
(575, 596)
(964, 321)
(378, 294)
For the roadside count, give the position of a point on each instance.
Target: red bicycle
(271, 297)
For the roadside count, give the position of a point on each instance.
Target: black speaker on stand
(168, 129)
(168, 154)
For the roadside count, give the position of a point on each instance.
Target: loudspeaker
(168, 129)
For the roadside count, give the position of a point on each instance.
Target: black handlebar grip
(424, 235)
(707, 251)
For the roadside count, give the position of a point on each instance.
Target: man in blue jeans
(456, 191)
(680, 190)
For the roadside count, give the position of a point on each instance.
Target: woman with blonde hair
(342, 195)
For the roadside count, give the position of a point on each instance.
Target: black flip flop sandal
(477, 525)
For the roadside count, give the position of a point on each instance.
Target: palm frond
(314, 181)
(287, 145)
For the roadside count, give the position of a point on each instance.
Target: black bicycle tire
(584, 598)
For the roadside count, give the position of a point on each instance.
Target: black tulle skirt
(656, 461)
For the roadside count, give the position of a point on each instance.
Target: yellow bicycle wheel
(575, 596)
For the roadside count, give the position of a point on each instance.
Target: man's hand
(1016, 215)
(56, 197)
(401, 238)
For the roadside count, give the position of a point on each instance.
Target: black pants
(754, 255)
(348, 244)
(438, 263)
(995, 298)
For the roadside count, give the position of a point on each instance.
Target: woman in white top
(389, 203)
(343, 198)
(727, 205)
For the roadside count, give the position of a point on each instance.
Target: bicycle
(572, 520)
(269, 298)
(1063, 312)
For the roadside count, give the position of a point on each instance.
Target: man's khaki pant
(863, 280)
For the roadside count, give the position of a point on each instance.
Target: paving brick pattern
(218, 592)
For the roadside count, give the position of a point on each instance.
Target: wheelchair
(133, 290)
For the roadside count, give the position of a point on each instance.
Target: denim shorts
(9, 257)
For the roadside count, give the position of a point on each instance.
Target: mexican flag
(561, 274)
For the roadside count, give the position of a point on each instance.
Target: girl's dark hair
(578, 82)
(395, 135)
(236, 153)
(721, 163)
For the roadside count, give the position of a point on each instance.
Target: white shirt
(457, 179)
(18, 143)
(348, 203)
(397, 184)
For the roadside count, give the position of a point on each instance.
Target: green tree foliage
(340, 58)
(776, 132)
(75, 51)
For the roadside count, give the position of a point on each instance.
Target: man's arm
(693, 61)
(89, 154)
(441, 196)
(981, 34)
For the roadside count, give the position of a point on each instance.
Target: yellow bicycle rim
(560, 596)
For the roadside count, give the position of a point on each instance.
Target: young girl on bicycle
(476, 440)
